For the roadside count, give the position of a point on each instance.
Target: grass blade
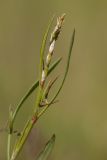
(67, 66)
(47, 149)
(24, 98)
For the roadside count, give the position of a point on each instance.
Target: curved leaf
(47, 149)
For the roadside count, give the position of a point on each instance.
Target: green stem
(8, 146)
(28, 127)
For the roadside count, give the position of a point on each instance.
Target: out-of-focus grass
(81, 126)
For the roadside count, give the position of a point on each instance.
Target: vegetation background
(80, 118)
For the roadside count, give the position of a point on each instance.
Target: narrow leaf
(67, 66)
(47, 149)
(24, 98)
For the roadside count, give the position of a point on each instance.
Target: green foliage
(42, 103)
(47, 149)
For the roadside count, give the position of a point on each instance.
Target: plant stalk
(8, 146)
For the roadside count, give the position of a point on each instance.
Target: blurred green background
(79, 120)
